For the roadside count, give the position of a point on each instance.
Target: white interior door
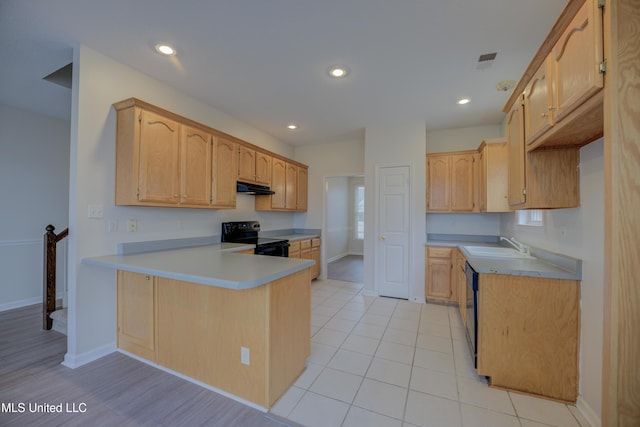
(393, 231)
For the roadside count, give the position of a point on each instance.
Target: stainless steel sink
(495, 252)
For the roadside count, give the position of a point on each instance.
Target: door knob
(381, 237)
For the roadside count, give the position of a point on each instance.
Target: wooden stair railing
(49, 286)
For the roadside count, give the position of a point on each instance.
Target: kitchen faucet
(519, 246)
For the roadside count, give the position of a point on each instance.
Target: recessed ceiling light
(338, 71)
(165, 49)
(292, 126)
(464, 101)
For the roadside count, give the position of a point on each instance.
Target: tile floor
(386, 362)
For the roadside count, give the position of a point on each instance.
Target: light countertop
(545, 264)
(291, 237)
(213, 265)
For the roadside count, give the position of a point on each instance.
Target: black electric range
(247, 232)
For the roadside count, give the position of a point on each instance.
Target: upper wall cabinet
(163, 159)
(450, 182)
(493, 176)
(562, 88)
(289, 182)
(254, 166)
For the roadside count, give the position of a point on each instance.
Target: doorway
(344, 228)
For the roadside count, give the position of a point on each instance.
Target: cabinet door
(246, 164)
(315, 255)
(301, 196)
(291, 186)
(263, 168)
(482, 175)
(439, 269)
(538, 103)
(278, 183)
(438, 190)
(195, 167)
(224, 174)
(516, 152)
(136, 314)
(158, 178)
(576, 60)
(462, 193)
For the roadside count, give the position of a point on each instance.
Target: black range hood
(254, 189)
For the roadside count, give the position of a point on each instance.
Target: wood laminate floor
(349, 269)
(115, 390)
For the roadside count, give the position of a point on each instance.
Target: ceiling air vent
(487, 57)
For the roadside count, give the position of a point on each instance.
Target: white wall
(459, 139)
(34, 187)
(394, 144)
(99, 82)
(337, 234)
(338, 158)
(583, 238)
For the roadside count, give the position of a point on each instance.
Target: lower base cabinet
(202, 331)
(441, 283)
(307, 249)
(528, 332)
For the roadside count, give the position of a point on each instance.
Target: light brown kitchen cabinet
(528, 334)
(450, 182)
(147, 157)
(136, 327)
(199, 330)
(439, 274)
(310, 249)
(223, 185)
(163, 159)
(540, 179)
(253, 166)
(493, 176)
(302, 189)
(291, 187)
(562, 88)
(289, 181)
(538, 102)
(294, 249)
(195, 163)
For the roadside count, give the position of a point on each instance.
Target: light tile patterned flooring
(386, 362)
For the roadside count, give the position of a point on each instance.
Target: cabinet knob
(544, 115)
(147, 277)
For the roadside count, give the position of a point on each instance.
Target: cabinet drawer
(294, 246)
(315, 243)
(305, 244)
(439, 252)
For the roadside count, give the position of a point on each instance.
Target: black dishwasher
(472, 312)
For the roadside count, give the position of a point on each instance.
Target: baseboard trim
(75, 361)
(20, 303)
(588, 412)
(194, 381)
(337, 257)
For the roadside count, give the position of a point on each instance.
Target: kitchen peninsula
(239, 323)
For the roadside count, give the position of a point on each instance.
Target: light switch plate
(244, 355)
(95, 211)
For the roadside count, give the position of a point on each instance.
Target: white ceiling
(265, 61)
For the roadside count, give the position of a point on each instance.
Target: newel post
(49, 279)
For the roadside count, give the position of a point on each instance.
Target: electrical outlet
(244, 355)
(95, 211)
(133, 225)
(112, 226)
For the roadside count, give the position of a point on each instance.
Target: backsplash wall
(485, 224)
